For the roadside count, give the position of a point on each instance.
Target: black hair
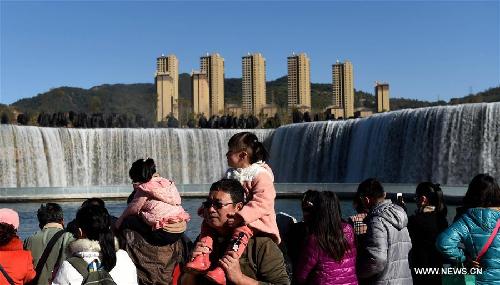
(7, 233)
(232, 187)
(94, 201)
(248, 141)
(326, 225)
(95, 223)
(308, 199)
(358, 203)
(142, 170)
(49, 213)
(370, 188)
(434, 195)
(483, 192)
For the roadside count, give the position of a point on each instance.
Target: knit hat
(9, 216)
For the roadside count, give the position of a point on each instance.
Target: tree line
(99, 120)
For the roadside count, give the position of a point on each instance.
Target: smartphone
(399, 197)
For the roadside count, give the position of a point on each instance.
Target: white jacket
(124, 272)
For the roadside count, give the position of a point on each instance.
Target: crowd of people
(240, 241)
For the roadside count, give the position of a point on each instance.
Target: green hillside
(139, 99)
(116, 98)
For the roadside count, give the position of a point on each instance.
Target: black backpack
(94, 277)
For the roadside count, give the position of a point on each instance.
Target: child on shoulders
(246, 157)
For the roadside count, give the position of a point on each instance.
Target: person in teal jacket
(473, 229)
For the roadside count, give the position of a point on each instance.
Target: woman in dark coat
(424, 227)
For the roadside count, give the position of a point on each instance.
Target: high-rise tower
(199, 89)
(343, 88)
(213, 66)
(253, 83)
(167, 85)
(299, 82)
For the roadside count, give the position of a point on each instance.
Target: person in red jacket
(15, 262)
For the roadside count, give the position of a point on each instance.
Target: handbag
(470, 279)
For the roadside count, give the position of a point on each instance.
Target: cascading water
(447, 145)
(34, 157)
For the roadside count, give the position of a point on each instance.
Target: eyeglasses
(217, 204)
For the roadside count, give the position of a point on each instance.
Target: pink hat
(9, 216)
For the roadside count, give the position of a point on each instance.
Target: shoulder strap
(80, 265)
(45, 255)
(490, 240)
(9, 279)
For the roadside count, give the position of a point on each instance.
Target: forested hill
(139, 99)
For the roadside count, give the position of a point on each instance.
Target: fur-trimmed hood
(88, 249)
(249, 173)
(123, 273)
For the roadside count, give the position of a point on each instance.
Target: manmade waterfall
(447, 145)
(33, 156)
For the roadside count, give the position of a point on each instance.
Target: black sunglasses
(217, 204)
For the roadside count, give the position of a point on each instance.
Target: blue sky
(424, 50)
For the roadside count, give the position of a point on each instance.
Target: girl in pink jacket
(246, 156)
(156, 199)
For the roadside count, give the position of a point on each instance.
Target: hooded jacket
(158, 202)
(258, 213)
(124, 272)
(318, 268)
(383, 256)
(16, 262)
(473, 230)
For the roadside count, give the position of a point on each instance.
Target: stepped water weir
(447, 145)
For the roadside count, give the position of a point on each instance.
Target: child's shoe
(200, 263)
(238, 245)
(217, 276)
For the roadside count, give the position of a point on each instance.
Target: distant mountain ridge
(139, 98)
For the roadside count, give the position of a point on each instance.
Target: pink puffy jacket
(158, 202)
(258, 213)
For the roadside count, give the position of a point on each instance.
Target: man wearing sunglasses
(261, 258)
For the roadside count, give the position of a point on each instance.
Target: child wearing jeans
(246, 156)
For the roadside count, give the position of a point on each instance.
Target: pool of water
(29, 221)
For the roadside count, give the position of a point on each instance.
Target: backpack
(94, 277)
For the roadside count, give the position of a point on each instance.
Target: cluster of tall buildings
(208, 87)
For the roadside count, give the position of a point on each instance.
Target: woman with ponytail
(97, 246)
(424, 227)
